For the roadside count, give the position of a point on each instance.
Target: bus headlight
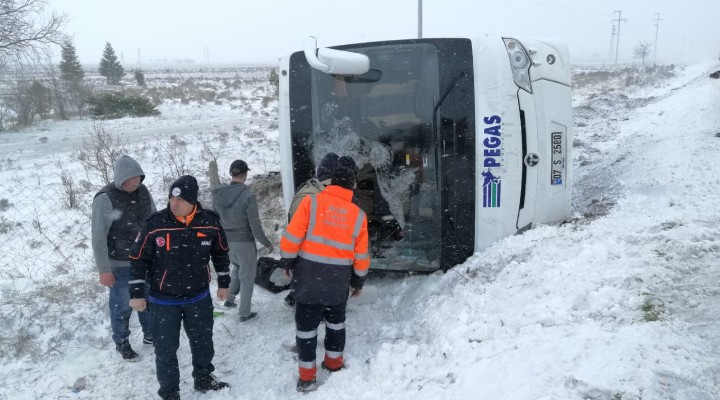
(519, 63)
(518, 60)
(522, 79)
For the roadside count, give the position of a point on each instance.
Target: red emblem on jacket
(160, 241)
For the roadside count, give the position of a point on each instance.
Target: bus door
(455, 121)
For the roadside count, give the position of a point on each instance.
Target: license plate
(558, 159)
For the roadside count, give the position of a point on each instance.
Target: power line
(657, 28)
(619, 20)
(612, 41)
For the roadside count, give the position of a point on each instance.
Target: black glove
(287, 263)
(357, 282)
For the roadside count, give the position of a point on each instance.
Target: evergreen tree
(139, 77)
(110, 67)
(40, 97)
(70, 69)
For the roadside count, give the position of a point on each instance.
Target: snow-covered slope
(622, 302)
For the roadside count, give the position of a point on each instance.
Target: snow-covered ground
(621, 302)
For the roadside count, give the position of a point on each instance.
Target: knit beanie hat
(344, 177)
(347, 161)
(327, 166)
(185, 187)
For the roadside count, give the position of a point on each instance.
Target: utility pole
(617, 44)
(657, 28)
(139, 59)
(612, 41)
(419, 19)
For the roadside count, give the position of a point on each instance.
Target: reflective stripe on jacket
(328, 228)
(174, 256)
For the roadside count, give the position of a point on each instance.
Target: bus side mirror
(333, 61)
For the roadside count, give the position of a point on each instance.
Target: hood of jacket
(224, 196)
(125, 168)
(314, 185)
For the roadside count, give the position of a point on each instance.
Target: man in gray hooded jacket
(240, 219)
(118, 212)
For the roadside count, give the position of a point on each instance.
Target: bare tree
(68, 97)
(71, 191)
(60, 96)
(21, 103)
(27, 97)
(99, 153)
(642, 50)
(173, 154)
(5, 115)
(25, 32)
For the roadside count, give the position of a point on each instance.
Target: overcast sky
(260, 31)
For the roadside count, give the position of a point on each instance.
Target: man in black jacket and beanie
(172, 254)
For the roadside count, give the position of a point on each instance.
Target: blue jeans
(120, 310)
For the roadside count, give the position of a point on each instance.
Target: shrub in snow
(117, 105)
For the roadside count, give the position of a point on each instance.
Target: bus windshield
(383, 119)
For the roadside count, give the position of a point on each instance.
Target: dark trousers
(307, 319)
(197, 319)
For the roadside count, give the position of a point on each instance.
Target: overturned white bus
(460, 142)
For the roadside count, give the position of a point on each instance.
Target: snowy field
(620, 303)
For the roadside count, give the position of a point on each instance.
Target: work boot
(126, 352)
(306, 386)
(331, 370)
(209, 382)
(172, 396)
(230, 304)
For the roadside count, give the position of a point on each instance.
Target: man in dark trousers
(325, 249)
(172, 254)
(316, 184)
(239, 216)
(118, 212)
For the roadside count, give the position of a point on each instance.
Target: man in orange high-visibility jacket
(325, 249)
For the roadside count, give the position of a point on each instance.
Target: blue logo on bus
(491, 189)
(491, 159)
